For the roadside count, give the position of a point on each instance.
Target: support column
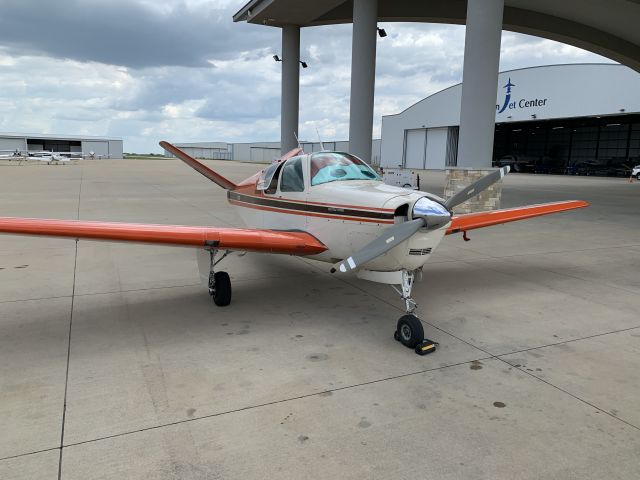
(290, 97)
(479, 82)
(363, 77)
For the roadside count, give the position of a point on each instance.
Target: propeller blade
(390, 238)
(476, 187)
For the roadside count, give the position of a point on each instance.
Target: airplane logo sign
(507, 97)
(508, 104)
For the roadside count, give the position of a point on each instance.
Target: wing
(270, 241)
(470, 221)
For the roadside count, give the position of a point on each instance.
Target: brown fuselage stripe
(309, 209)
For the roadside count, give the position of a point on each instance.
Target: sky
(181, 70)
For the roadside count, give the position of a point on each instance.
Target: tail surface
(199, 167)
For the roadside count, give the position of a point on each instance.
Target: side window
(292, 177)
(268, 181)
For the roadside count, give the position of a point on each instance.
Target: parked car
(636, 172)
(611, 167)
(518, 163)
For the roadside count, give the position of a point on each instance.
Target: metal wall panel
(414, 148)
(115, 148)
(264, 155)
(436, 148)
(13, 144)
(97, 147)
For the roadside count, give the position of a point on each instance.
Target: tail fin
(199, 167)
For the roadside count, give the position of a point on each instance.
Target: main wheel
(221, 289)
(638, 176)
(409, 331)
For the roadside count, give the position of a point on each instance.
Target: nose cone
(435, 214)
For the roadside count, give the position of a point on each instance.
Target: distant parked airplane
(11, 154)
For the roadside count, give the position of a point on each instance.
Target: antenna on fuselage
(320, 139)
(297, 140)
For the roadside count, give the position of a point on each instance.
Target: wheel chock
(426, 346)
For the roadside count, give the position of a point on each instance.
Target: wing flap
(471, 221)
(270, 241)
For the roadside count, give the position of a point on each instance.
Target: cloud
(136, 34)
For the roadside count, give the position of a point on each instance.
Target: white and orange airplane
(328, 206)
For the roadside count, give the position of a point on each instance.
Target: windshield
(330, 167)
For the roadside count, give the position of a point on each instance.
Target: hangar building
(551, 119)
(107, 147)
(261, 152)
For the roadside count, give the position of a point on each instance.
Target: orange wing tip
(471, 221)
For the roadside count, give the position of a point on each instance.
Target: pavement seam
(34, 299)
(182, 200)
(490, 256)
(52, 449)
(568, 275)
(498, 355)
(131, 290)
(73, 293)
(274, 402)
(568, 393)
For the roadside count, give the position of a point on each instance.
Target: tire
(638, 177)
(410, 331)
(221, 289)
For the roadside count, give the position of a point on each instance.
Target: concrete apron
(457, 178)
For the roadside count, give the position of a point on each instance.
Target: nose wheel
(409, 330)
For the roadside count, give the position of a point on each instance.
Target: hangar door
(436, 148)
(264, 154)
(99, 148)
(13, 144)
(415, 143)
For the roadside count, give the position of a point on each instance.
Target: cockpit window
(331, 167)
(292, 177)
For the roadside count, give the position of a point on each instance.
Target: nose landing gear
(409, 329)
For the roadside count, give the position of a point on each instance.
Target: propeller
(426, 213)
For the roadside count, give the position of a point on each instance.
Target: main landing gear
(409, 329)
(219, 282)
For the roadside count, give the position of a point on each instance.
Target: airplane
(327, 206)
(54, 157)
(11, 154)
